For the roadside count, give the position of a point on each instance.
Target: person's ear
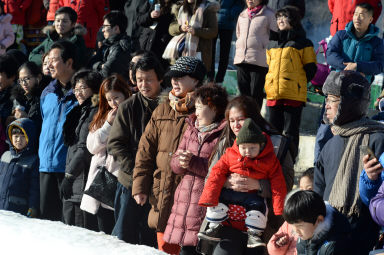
(195, 82)
(116, 29)
(319, 219)
(69, 63)
(39, 77)
(370, 20)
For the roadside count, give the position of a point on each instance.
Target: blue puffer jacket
(229, 12)
(19, 175)
(367, 52)
(54, 107)
(368, 188)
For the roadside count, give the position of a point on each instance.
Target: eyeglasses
(62, 20)
(105, 26)
(81, 89)
(329, 101)
(281, 17)
(23, 81)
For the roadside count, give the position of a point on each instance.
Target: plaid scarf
(182, 105)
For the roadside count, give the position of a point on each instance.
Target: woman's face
(283, 23)
(46, 67)
(27, 81)
(205, 115)
(236, 120)
(114, 98)
(182, 85)
(82, 91)
(252, 3)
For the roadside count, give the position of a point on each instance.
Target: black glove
(66, 188)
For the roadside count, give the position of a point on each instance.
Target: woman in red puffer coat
(191, 160)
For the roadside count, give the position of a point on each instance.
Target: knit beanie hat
(250, 133)
(354, 92)
(191, 66)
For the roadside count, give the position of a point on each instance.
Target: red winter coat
(17, 8)
(342, 12)
(53, 6)
(187, 216)
(264, 166)
(90, 14)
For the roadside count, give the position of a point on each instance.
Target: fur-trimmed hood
(77, 30)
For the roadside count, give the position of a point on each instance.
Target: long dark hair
(191, 8)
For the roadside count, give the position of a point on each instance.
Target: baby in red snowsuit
(251, 155)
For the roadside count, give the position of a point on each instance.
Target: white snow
(22, 235)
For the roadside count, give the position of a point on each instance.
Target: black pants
(286, 119)
(225, 36)
(50, 201)
(251, 79)
(74, 216)
(188, 250)
(105, 220)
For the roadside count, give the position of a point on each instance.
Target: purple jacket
(187, 216)
(376, 206)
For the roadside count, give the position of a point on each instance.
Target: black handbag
(103, 187)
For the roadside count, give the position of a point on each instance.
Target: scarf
(252, 12)
(182, 105)
(203, 131)
(195, 21)
(344, 195)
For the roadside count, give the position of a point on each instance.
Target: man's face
(57, 67)
(331, 107)
(5, 81)
(108, 30)
(63, 24)
(361, 19)
(148, 83)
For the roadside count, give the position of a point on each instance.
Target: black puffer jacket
(131, 120)
(154, 40)
(113, 57)
(75, 132)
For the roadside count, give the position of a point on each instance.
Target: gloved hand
(32, 213)
(66, 188)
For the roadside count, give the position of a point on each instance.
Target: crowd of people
(117, 122)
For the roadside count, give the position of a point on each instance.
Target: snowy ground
(21, 235)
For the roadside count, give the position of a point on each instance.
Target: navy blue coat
(19, 172)
(228, 13)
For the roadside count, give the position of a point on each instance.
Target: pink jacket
(7, 36)
(97, 145)
(289, 248)
(253, 37)
(187, 216)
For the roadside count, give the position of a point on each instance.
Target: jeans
(131, 219)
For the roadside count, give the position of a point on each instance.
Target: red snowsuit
(90, 14)
(17, 8)
(264, 166)
(342, 12)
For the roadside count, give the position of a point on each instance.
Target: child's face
(19, 141)
(304, 230)
(250, 150)
(306, 183)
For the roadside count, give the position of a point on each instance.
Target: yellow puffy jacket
(292, 63)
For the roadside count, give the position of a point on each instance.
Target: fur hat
(250, 133)
(191, 66)
(354, 92)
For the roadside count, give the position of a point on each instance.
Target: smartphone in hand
(368, 151)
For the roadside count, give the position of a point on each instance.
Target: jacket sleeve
(309, 62)
(9, 36)
(144, 15)
(34, 187)
(376, 64)
(114, 61)
(279, 188)
(331, 4)
(97, 140)
(215, 182)
(174, 27)
(368, 188)
(209, 31)
(376, 206)
(37, 53)
(119, 139)
(145, 163)
(318, 179)
(335, 52)
(25, 4)
(175, 163)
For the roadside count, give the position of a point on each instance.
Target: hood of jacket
(29, 130)
(123, 40)
(51, 33)
(372, 32)
(5, 18)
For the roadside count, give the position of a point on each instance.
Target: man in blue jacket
(56, 101)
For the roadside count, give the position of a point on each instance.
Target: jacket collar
(372, 32)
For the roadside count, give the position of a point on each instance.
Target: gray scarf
(345, 189)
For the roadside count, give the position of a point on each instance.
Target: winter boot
(254, 239)
(212, 233)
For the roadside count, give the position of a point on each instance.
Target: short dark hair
(8, 65)
(366, 6)
(303, 205)
(117, 18)
(68, 51)
(148, 61)
(91, 78)
(67, 10)
(293, 15)
(215, 97)
(308, 173)
(31, 67)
